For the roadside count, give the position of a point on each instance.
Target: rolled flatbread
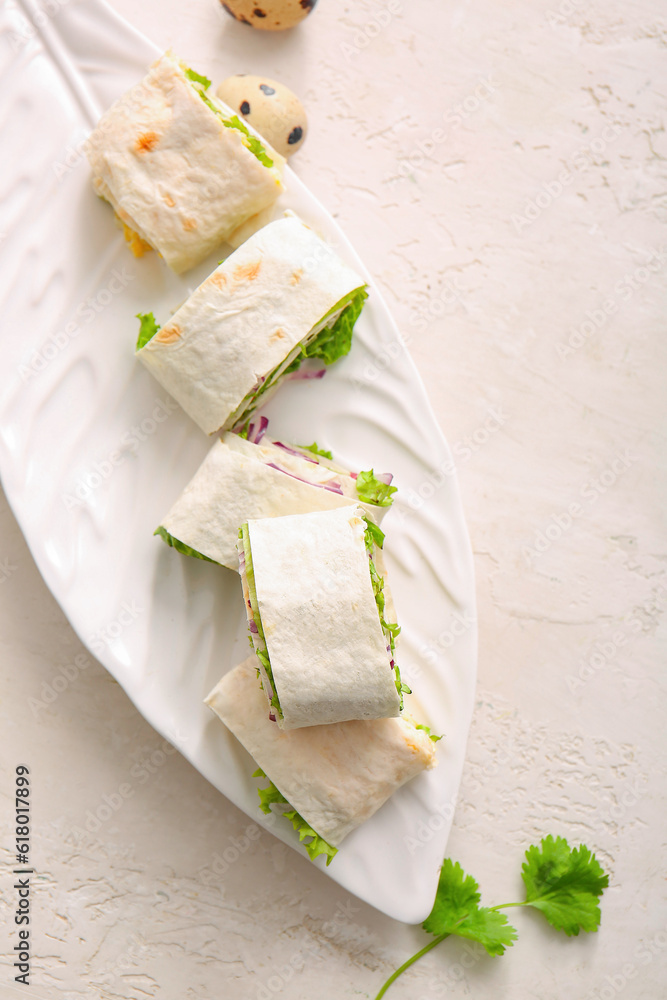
(241, 480)
(334, 776)
(316, 617)
(283, 294)
(179, 167)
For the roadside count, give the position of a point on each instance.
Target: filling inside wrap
(306, 464)
(329, 340)
(325, 780)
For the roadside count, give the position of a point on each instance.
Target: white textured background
(523, 251)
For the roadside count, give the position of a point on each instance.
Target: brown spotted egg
(269, 15)
(270, 107)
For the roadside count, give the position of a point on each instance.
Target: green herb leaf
(565, 884)
(372, 490)
(147, 329)
(315, 845)
(315, 449)
(197, 78)
(489, 928)
(456, 910)
(180, 546)
(456, 897)
(335, 341)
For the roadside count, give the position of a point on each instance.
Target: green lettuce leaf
(181, 546)
(197, 78)
(372, 490)
(251, 400)
(315, 845)
(315, 450)
(147, 329)
(251, 142)
(335, 341)
(374, 535)
(427, 730)
(262, 654)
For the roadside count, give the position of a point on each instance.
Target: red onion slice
(300, 374)
(293, 451)
(334, 488)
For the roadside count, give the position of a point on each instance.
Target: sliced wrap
(180, 169)
(333, 776)
(282, 296)
(241, 479)
(315, 604)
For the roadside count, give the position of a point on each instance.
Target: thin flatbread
(174, 173)
(335, 776)
(319, 618)
(239, 480)
(241, 328)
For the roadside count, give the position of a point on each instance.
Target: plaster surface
(501, 170)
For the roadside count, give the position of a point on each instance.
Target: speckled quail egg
(269, 15)
(270, 107)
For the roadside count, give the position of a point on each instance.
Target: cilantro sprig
(564, 883)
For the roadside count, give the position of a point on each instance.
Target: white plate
(75, 407)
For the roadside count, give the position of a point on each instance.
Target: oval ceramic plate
(93, 452)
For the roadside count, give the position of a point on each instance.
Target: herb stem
(410, 961)
(504, 906)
